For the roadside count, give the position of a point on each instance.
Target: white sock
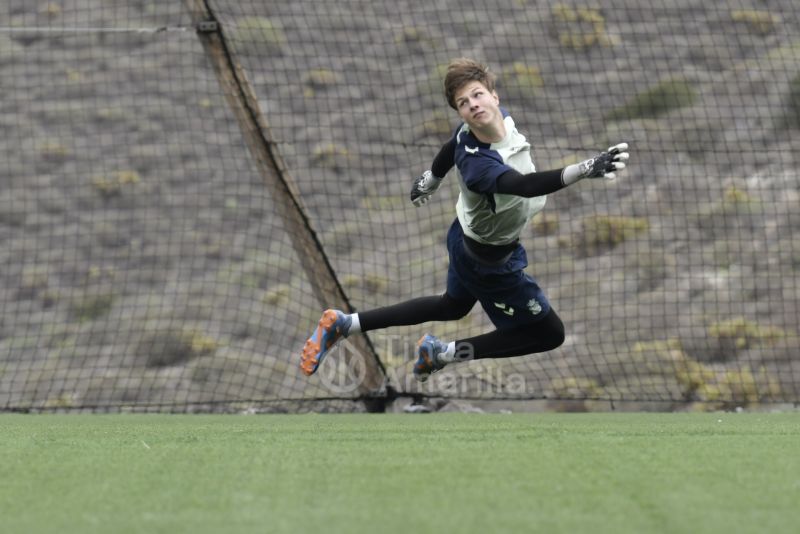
(355, 325)
(449, 355)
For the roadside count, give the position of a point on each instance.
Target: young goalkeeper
(500, 191)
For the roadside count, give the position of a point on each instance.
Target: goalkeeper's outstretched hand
(604, 165)
(423, 188)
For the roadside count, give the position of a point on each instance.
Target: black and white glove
(424, 187)
(604, 165)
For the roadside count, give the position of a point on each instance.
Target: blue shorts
(508, 295)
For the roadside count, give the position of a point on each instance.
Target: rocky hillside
(144, 263)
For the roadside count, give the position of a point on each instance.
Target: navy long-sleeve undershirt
(512, 182)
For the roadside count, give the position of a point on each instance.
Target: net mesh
(146, 264)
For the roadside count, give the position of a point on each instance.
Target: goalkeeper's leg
(335, 325)
(541, 336)
(416, 311)
(544, 335)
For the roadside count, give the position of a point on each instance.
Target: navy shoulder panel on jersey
(480, 166)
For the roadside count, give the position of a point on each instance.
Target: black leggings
(545, 334)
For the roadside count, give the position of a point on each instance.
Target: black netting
(145, 261)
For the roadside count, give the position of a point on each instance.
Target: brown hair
(460, 72)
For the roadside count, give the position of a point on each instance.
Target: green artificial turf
(462, 473)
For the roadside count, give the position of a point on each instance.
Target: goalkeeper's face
(478, 106)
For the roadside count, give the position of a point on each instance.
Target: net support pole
(242, 99)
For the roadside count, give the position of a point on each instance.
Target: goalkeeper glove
(424, 187)
(604, 165)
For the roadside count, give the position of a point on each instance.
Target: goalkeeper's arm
(604, 165)
(427, 184)
(445, 159)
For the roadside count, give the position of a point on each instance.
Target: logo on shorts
(534, 307)
(508, 310)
